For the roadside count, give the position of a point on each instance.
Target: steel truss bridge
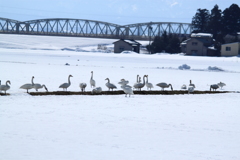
(90, 28)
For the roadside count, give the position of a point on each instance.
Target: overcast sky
(120, 12)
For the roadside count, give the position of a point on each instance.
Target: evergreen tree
(231, 19)
(157, 45)
(215, 23)
(168, 43)
(200, 21)
(174, 44)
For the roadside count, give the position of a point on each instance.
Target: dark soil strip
(176, 92)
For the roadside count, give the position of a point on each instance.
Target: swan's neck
(108, 80)
(45, 87)
(69, 80)
(137, 78)
(144, 80)
(92, 76)
(147, 80)
(32, 81)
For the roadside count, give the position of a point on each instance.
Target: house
(126, 45)
(199, 44)
(230, 49)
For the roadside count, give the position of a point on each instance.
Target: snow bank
(215, 68)
(184, 66)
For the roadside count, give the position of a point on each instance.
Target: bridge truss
(90, 28)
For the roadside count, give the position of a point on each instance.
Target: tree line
(217, 22)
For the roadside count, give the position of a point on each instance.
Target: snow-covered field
(169, 127)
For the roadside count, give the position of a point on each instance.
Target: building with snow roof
(200, 44)
(230, 49)
(126, 45)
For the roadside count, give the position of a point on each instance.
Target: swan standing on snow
(192, 84)
(97, 90)
(28, 86)
(164, 85)
(139, 85)
(221, 84)
(127, 90)
(214, 87)
(66, 85)
(149, 85)
(5, 87)
(110, 85)
(83, 86)
(92, 81)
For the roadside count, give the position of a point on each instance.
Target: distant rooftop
(201, 35)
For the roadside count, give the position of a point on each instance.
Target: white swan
(164, 85)
(149, 85)
(92, 81)
(28, 86)
(192, 84)
(97, 90)
(110, 85)
(140, 85)
(66, 85)
(83, 86)
(221, 84)
(214, 87)
(190, 89)
(39, 86)
(5, 87)
(184, 87)
(127, 90)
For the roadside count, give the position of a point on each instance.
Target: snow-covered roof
(185, 41)
(130, 41)
(201, 35)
